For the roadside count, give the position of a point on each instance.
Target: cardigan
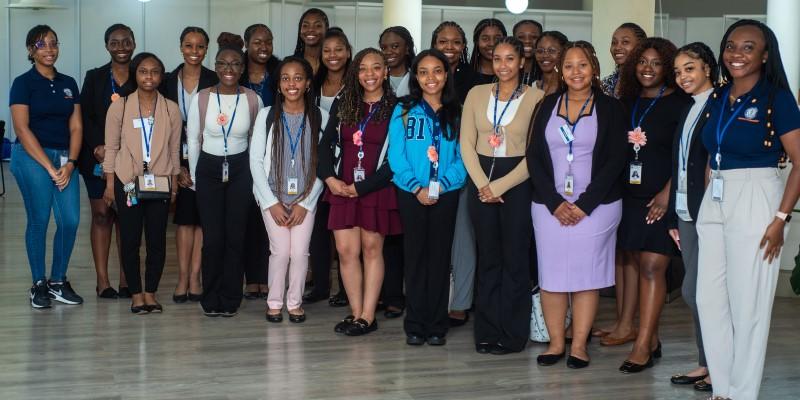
(608, 156)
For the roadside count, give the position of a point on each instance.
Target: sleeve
(261, 160)
(193, 135)
(543, 183)
(401, 168)
(376, 181)
(517, 175)
(76, 93)
(310, 202)
(455, 175)
(786, 113)
(113, 134)
(91, 133)
(176, 125)
(325, 150)
(671, 215)
(20, 92)
(469, 142)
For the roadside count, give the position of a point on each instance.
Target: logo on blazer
(751, 113)
(68, 93)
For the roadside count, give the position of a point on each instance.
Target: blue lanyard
(497, 100)
(436, 135)
(634, 125)
(182, 89)
(148, 136)
(572, 126)
(113, 83)
(721, 132)
(293, 142)
(260, 88)
(363, 125)
(685, 146)
(227, 132)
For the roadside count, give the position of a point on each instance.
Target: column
(407, 13)
(782, 17)
(607, 15)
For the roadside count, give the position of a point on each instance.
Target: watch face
(788, 218)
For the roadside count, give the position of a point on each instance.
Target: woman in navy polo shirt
(47, 121)
(744, 215)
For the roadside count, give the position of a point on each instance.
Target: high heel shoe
(657, 352)
(629, 367)
(180, 298)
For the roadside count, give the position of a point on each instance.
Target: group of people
(518, 164)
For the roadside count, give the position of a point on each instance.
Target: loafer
(415, 340)
(629, 367)
(547, 360)
(703, 386)
(252, 295)
(391, 314)
(154, 308)
(275, 318)
(312, 298)
(124, 292)
(140, 310)
(297, 318)
(338, 300)
(576, 363)
(686, 380)
(342, 326)
(108, 293)
(483, 348)
(180, 298)
(195, 297)
(361, 327)
(500, 350)
(436, 340)
(609, 340)
(456, 322)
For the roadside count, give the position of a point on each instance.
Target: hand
(279, 214)
(336, 186)
(773, 240)
(350, 190)
(108, 195)
(486, 196)
(100, 153)
(185, 178)
(564, 214)
(658, 207)
(297, 215)
(676, 237)
(577, 213)
(63, 176)
(423, 198)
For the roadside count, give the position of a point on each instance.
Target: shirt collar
(35, 74)
(701, 97)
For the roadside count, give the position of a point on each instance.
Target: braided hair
(350, 107)
(406, 36)
(300, 47)
(476, 34)
(700, 51)
(637, 30)
(457, 27)
(591, 55)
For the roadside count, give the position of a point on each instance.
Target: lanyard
(635, 125)
(570, 157)
(182, 89)
(148, 136)
(685, 146)
(227, 132)
(497, 121)
(721, 132)
(361, 126)
(436, 136)
(113, 83)
(293, 142)
(260, 88)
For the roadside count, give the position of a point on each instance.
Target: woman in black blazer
(180, 86)
(101, 87)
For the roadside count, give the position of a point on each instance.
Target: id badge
(64, 160)
(149, 181)
(682, 205)
(225, 171)
(635, 173)
(569, 185)
(98, 170)
(359, 174)
(566, 134)
(433, 190)
(717, 188)
(185, 151)
(291, 186)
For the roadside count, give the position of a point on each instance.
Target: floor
(100, 351)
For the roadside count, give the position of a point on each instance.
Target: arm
(193, 135)
(176, 126)
(92, 136)
(330, 136)
(75, 140)
(403, 171)
(543, 183)
(376, 181)
(261, 161)
(469, 142)
(517, 175)
(310, 202)
(113, 137)
(455, 175)
(772, 241)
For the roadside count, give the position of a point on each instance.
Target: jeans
(40, 194)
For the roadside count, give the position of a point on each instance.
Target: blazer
(608, 157)
(124, 156)
(696, 163)
(169, 86)
(94, 106)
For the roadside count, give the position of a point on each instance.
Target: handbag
(538, 327)
(161, 190)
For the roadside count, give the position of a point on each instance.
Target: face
(312, 29)
(506, 62)
(259, 48)
(121, 46)
(548, 52)
(45, 50)
(577, 69)
(431, 75)
(334, 54)
(194, 48)
(148, 75)
(622, 43)
(691, 74)
(372, 71)
(486, 41)
(528, 34)
(394, 49)
(649, 69)
(229, 68)
(745, 52)
(293, 81)
(450, 42)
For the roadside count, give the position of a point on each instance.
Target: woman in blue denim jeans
(47, 121)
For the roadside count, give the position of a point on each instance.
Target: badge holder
(225, 170)
(681, 200)
(63, 160)
(717, 184)
(433, 184)
(569, 179)
(149, 178)
(98, 170)
(185, 151)
(292, 183)
(359, 174)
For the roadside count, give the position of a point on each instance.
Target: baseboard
(784, 287)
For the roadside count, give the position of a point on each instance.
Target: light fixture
(34, 5)
(144, 1)
(517, 6)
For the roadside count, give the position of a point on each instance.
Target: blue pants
(40, 194)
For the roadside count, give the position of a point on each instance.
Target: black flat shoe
(391, 314)
(686, 380)
(195, 297)
(456, 322)
(703, 386)
(576, 363)
(180, 298)
(124, 292)
(108, 293)
(252, 295)
(229, 314)
(342, 326)
(338, 300)
(312, 298)
(211, 313)
(154, 308)
(657, 352)
(140, 310)
(483, 348)
(415, 340)
(547, 360)
(435, 340)
(275, 318)
(361, 327)
(500, 350)
(297, 318)
(629, 367)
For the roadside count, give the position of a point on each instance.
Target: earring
(764, 61)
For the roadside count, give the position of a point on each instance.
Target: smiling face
(121, 46)
(745, 52)
(334, 54)
(372, 71)
(577, 70)
(548, 51)
(312, 29)
(528, 34)
(431, 75)
(259, 47)
(449, 42)
(489, 37)
(623, 42)
(506, 62)
(650, 70)
(45, 51)
(394, 49)
(691, 74)
(229, 68)
(194, 48)
(148, 75)
(293, 81)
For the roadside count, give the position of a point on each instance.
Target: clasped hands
(568, 214)
(485, 195)
(339, 188)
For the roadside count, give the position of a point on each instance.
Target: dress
(579, 257)
(376, 211)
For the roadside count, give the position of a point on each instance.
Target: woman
(623, 41)
(425, 159)
(739, 251)
(647, 87)
(43, 161)
(548, 53)
(397, 46)
(528, 32)
(285, 183)
(101, 87)
(486, 34)
(363, 203)
(218, 130)
(181, 86)
(310, 32)
(336, 59)
(695, 71)
(143, 138)
(451, 40)
(576, 158)
(494, 137)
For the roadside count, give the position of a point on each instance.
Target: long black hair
(451, 106)
(134, 65)
(300, 47)
(406, 36)
(476, 34)
(773, 69)
(322, 73)
(700, 51)
(456, 26)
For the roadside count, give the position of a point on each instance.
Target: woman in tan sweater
(494, 137)
(143, 138)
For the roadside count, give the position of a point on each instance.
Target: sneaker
(63, 292)
(39, 296)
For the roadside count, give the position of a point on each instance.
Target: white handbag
(538, 327)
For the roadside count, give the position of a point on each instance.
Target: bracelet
(416, 192)
(73, 161)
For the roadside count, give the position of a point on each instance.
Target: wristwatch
(73, 161)
(783, 216)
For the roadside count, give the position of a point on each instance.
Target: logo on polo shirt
(67, 93)
(751, 113)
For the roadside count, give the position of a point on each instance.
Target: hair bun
(227, 40)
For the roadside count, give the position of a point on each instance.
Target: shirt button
(54, 91)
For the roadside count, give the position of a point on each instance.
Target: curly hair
(352, 97)
(457, 27)
(591, 55)
(629, 85)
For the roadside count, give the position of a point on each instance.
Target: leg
(100, 235)
(652, 292)
(624, 326)
(238, 204)
(131, 222)
(689, 249)
(298, 269)
(155, 234)
(195, 285)
(320, 258)
(279, 249)
(554, 308)
(464, 259)
(210, 201)
(348, 245)
(372, 246)
(442, 217)
(392, 290)
(256, 253)
(485, 218)
(584, 309)
(416, 249)
(184, 243)
(66, 210)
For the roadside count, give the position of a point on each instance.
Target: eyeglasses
(41, 44)
(549, 51)
(222, 65)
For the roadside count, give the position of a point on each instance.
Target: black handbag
(161, 190)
